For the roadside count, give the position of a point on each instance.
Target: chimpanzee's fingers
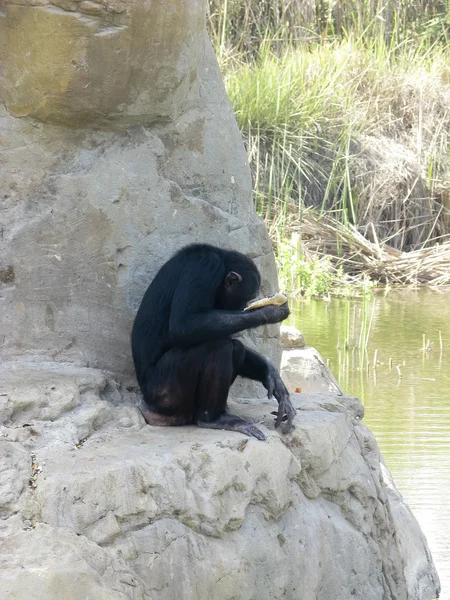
(290, 410)
(280, 392)
(279, 417)
(285, 408)
(290, 414)
(288, 425)
(275, 412)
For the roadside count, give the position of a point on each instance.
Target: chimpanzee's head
(241, 284)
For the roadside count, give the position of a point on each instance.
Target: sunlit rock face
(119, 147)
(80, 62)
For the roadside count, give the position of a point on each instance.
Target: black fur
(184, 356)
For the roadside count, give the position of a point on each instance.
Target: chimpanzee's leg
(219, 369)
(169, 389)
(192, 385)
(254, 366)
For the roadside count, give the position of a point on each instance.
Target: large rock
(118, 147)
(94, 503)
(81, 62)
(304, 369)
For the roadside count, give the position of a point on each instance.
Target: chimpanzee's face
(238, 290)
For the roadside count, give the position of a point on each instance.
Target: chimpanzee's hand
(275, 314)
(275, 387)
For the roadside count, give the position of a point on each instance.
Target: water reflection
(394, 353)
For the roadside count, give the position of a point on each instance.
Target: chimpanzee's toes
(253, 431)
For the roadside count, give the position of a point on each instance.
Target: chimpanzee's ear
(232, 279)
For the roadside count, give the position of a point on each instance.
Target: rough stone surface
(77, 62)
(118, 147)
(304, 369)
(290, 338)
(149, 158)
(96, 504)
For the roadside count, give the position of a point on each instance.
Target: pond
(393, 352)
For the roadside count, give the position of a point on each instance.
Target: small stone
(290, 337)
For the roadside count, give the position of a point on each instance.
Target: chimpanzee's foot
(233, 423)
(154, 418)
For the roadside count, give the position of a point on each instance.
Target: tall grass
(356, 129)
(344, 107)
(243, 24)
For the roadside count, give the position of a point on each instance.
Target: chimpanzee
(184, 355)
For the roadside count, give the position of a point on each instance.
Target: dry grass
(358, 132)
(243, 24)
(349, 249)
(345, 110)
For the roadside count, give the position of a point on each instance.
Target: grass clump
(360, 132)
(245, 24)
(345, 109)
(307, 274)
(346, 249)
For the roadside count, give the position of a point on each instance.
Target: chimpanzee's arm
(194, 320)
(254, 366)
(205, 326)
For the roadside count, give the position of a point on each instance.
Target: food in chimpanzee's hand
(277, 300)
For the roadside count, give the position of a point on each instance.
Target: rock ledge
(95, 503)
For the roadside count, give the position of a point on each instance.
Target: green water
(407, 408)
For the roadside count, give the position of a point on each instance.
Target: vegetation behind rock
(345, 109)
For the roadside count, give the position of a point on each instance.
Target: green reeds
(304, 274)
(356, 129)
(344, 107)
(353, 354)
(244, 23)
